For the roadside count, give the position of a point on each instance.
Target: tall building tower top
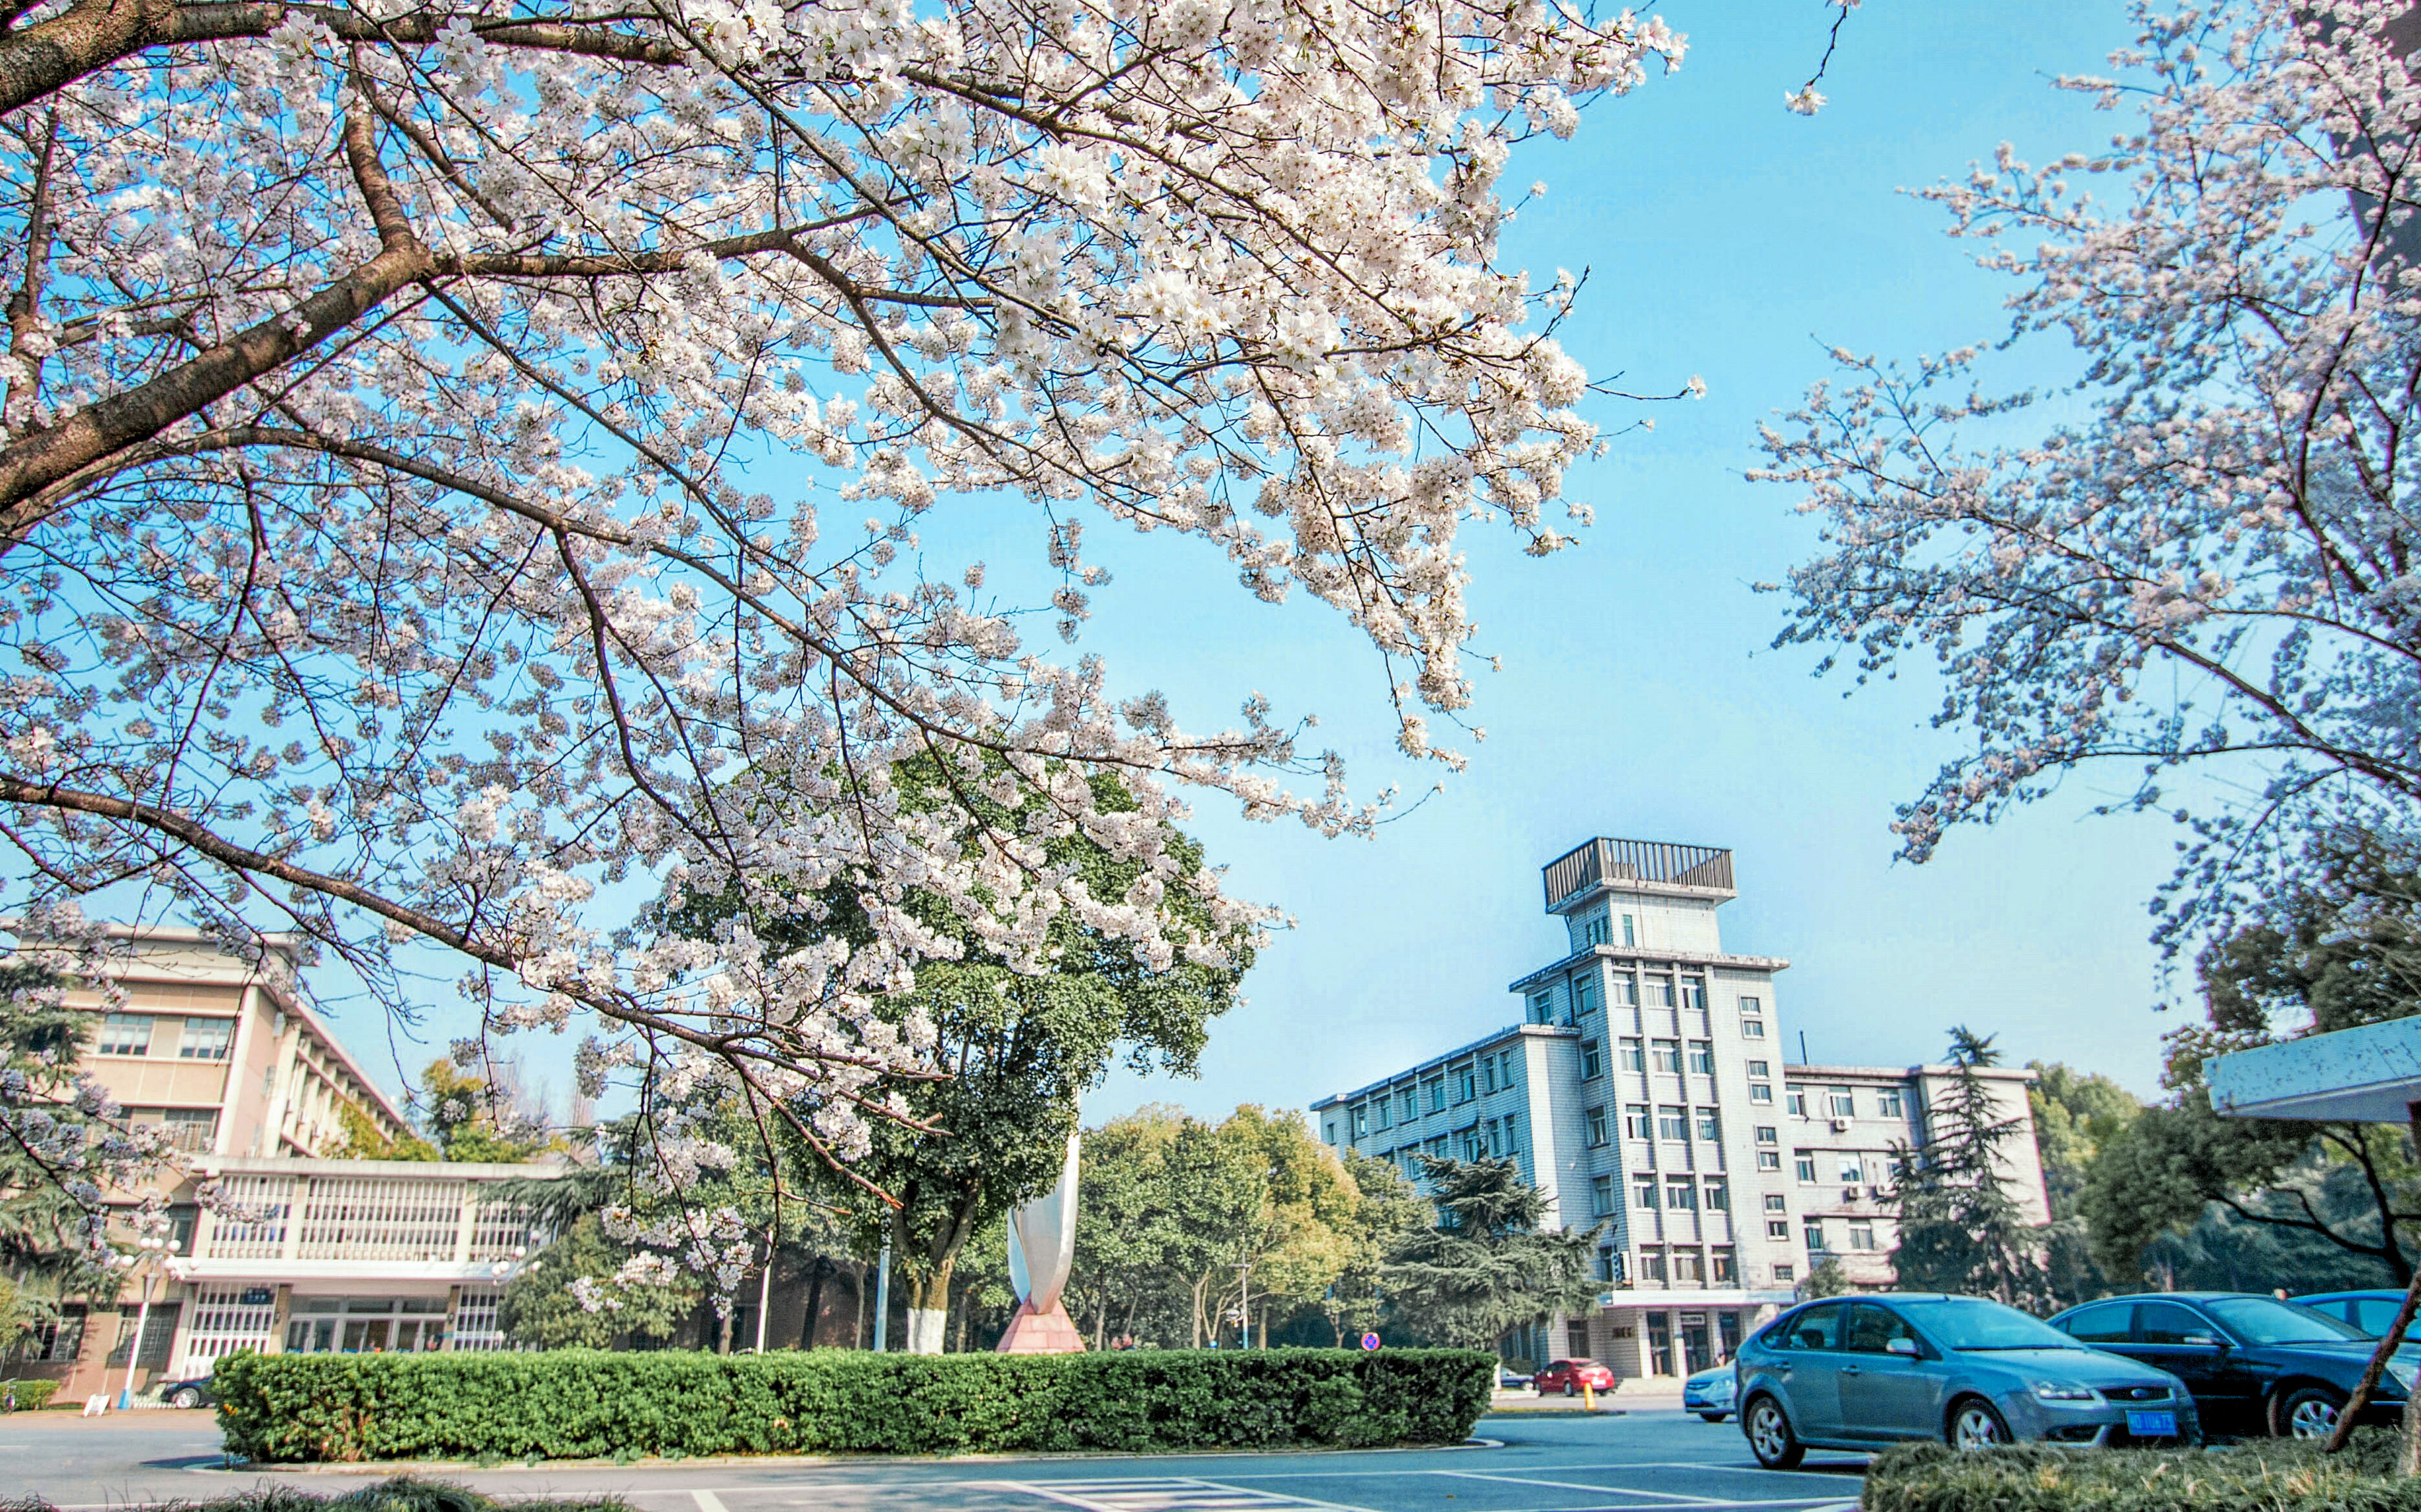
(1652, 869)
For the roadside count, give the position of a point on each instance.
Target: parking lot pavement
(1639, 1462)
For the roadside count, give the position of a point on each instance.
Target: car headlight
(2052, 1390)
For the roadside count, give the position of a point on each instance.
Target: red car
(1570, 1376)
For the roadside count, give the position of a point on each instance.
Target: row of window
(1491, 1138)
(1872, 1168)
(131, 1034)
(1862, 1235)
(1491, 1073)
(1654, 991)
(1680, 1193)
(1841, 1102)
(192, 1129)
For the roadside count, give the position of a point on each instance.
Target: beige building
(304, 1252)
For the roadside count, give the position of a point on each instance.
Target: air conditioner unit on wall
(1840, 1126)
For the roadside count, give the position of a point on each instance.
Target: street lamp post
(156, 1246)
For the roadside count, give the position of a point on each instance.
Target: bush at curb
(582, 1404)
(2272, 1476)
(32, 1395)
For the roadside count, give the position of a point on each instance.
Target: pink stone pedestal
(1048, 1332)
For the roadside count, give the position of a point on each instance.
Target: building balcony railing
(369, 1212)
(1638, 861)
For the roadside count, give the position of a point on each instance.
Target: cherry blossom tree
(434, 437)
(2198, 559)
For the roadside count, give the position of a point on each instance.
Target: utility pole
(1244, 1304)
(882, 1298)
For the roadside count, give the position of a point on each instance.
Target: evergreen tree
(577, 1295)
(1487, 1267)
(1959, 1227)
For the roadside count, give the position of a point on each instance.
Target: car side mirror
(1907, 1347)
(2211, 1340)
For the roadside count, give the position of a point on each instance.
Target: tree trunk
(816, 1270)
(722, 1326)
(928, 1309)
(1200, 1285)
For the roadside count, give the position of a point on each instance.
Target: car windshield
(2263, 1321)
(1974, 1323)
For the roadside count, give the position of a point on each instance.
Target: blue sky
(1730, 239)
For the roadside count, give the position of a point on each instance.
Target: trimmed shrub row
(584, 1404)
(29, 1396)
(2268, 1475)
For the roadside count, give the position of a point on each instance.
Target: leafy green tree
(1387, 1211)
(471, 1119)
(1017, 1049)
(363, 1141)
(1960, 1228)
(1127, 1227)
(1293, 1243)
(573, 1294)
(2076, 1114)
(1486, 1268)
(1828, 1278)
(63, 1143)
(2333, 954)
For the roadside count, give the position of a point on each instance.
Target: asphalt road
(1642, 1461)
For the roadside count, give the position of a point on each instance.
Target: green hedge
(32, 1395)
(2269, 1475)
(584, 1404)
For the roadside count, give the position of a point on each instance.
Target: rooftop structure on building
(1644, 1091)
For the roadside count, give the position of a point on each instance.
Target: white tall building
(1645, 1090)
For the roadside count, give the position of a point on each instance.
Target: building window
(1796, 1102)
(1768, 1134)
(1853, 1169)
(1694, 991)
(55, 1342)
(1379, 1111)
(1710, 1125)
(194, 1130)
(1495, 1139)
(1437, 1093)
(1758, 1069)
(1642, 1192)
(1752, 1028)
(1815, 1232)
(1752, 1005)
(1773, 1202)
(1681, 1195)
(1687, 1268)
(1600, 1195)
(1841, 1103)
(1543, 1006)
(1673, 1123)
(1806, 1161)
(1361, 1121)
(1660, 992)
(206, 1039)
(1488, 1073)
(1634, 1055)
(1668, 1056)
(1592, 1061)
(1778, 1228)
(1623, 988)
(1761, 1092)
(1634, 1121)
(1408, 1105)
(1651, 1264)
(1630, 935)
(1594, 931)
(1512, 1133)
(1786, 1272)
(1609, 1264)
(1862, 1235)
(1725, 1269)
(1888, 1105)
(1466, 1083)
(1332, 1131)
(125, 1033)
(1719, 1196)
(1769, 1160)
(1437, 1149)
(1584, 996)
(1594, 1121)
(1702, 1056)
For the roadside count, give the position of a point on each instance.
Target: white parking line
(1164, 1493)
(1578, 1486)
(707, 1501)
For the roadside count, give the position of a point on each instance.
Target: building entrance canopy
(2370, 1075)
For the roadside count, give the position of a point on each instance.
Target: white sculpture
(1041, 1249)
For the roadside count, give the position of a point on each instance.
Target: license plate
(2152, 1425)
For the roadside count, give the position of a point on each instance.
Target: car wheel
(1571, 1390)
(1974, 1425)
(1770, 1437)
(2306, 1412)
(186, 1397)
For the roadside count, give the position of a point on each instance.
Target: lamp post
(154, 1247)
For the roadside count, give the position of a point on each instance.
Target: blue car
(1862, 1372)
(1711, 1393)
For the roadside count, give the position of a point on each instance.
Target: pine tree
(1961, 1229)
(1487, 1268)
